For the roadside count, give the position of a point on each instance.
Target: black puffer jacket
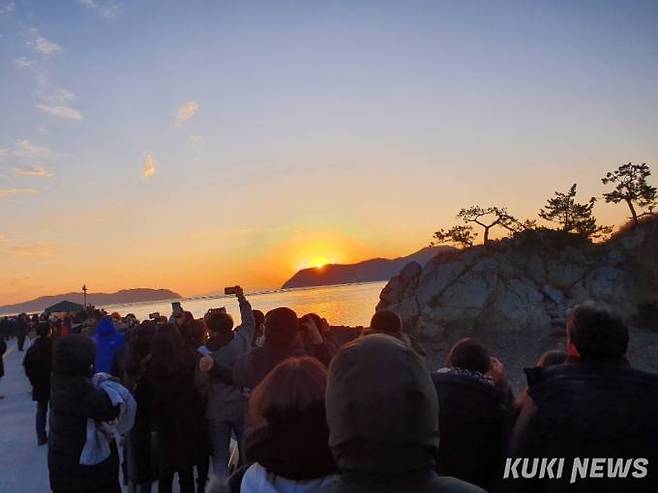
(588, 410)
(38, 364)
(473, 418)
(74, 399)
(382, 412)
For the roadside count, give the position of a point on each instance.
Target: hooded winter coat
(108, 342)
(603, 409)
(382, 412)
(38, 366)
(73, 400)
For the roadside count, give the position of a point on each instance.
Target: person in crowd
(194, 339)
(3, 350)
(38, 367)
(287, 434)
(388, 322)
(313, 319)
(4, 328)
(171, 405)
(73, 400)
(475, 405)
(383, 417)
(281, 341)
(226, 406)
(595, 405)
(22, 328)
(546, 359)
(137, 451)
(108, 342)
(259, 335)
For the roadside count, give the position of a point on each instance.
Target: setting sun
(319, 262)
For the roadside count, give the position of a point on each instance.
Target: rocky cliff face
(514, 294)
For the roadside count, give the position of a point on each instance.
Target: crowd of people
(279, 404)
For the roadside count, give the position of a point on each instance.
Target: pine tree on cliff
(572, 216)
(631, 186)
(485, 217)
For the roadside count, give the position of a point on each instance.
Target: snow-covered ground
(23, 464)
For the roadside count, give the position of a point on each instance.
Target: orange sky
(236, 142)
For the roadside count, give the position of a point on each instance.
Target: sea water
(345, 304)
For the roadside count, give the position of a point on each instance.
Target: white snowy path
(23, 465)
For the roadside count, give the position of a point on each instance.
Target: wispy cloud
(61, 111)
(149, 166)
(11, 192)
(186, 111)
(41, 44)
(23, 63)
(57, 101)
(7, 8)
(32, 170)
(25, 149)
(3, 153)
(106, 9)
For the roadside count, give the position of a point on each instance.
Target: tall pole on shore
(84, 292)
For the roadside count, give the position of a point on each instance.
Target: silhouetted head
(281, 327)
(551, 358)
(74, 355)
(469, 355)
(382, 408)
(259, 318)
(43, 330)
(167, 350)
(195, 334)
(220, 324)
(387, 322)
(595, 333)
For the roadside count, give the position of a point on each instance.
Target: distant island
(377, 269)
(96, 299)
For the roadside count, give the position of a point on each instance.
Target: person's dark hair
(386, 321)
(281, 326)
(259, 318)
(194, 334)
(167, 350)
(551, 358)
(220, 323)
(43, 330)
(139, 346)
(597, 333)
(469, 355)
(292, 389)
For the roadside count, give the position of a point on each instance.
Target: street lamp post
(84, 292)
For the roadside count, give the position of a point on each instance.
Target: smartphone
(176, 308)
(212, 311)
(231, 290)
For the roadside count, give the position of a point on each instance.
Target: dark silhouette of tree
(631, 186)
(485, 217)
(461, 234)
(488, 218)
(572, 216)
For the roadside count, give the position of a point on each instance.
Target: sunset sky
(192, 145)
